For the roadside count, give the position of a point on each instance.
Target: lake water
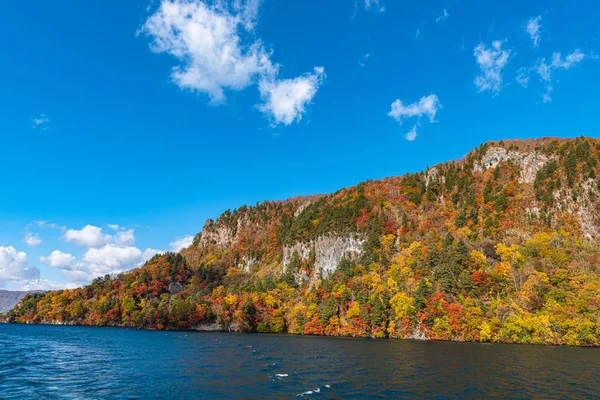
(60, 362)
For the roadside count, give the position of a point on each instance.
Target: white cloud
(374, 5)
(546, 96)
(46, 224)
(533, 28)
(41, 122)
(443, 17)
(89, 236)
(412, 134)
(182, 243)
(569, 61)
(58, 259)
(45, 284)
(248, 11)
(285, 100)
(15, 269)
(105, 254)
(106, 260)
(546, 70)
(123, 236)
(523, 77)
(491, 61)
(32, 239)
(112, 257)
(217, 51)
(427, 105)
(206, 41)
(363, 59)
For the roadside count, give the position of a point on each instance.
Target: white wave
(309, 392)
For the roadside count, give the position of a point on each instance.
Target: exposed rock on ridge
(329, 251)
(530, 163)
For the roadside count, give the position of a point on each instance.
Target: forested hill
(499, 246)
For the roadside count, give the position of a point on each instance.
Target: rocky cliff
(326, 252)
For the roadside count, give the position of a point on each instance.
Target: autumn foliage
(460, 252)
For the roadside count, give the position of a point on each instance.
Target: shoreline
(230, 331)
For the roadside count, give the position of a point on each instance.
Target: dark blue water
(52, 362)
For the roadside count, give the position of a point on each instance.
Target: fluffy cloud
(412, 134)
(545, 70)
(15, 269)
(105, 254)
(91, 236)
(217, 51)
(491, 61)
(248, 11)
(45, 284)
(182, 243)
(285, 100)
(113, 258)
(32, 239)
(41, 122)
(58, 259)
(123, 236)
(88, 236)
(569, 61)
(533, 28)
(426, 106)
(206, 40)
(106, 260)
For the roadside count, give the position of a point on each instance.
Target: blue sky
(142, 119)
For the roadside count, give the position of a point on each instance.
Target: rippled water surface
(55, 362)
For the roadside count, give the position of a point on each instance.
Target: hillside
(8, 299)
(499, 246)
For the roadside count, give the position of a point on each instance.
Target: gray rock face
(329, 250)
(417, 334)
(209, 327)
(431, 174)
(530, 163)
(301, 208)
(247, 263)
(584, 208)
(174, 287)
(220, 235)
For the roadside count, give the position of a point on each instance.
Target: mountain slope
(501, 245)
(8, 299)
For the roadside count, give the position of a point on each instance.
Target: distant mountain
(502, 245)
(9, 298)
